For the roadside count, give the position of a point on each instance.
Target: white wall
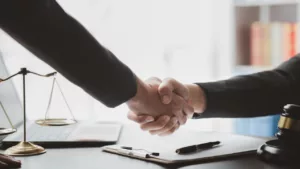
(185, 39)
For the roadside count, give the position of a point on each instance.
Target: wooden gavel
(286, 148)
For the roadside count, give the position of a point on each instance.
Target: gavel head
(286, 148)
(289, 124)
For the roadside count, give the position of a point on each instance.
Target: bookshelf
(247, 12)
(267, 12)
(248, 3)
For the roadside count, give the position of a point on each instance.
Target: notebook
(231, 145)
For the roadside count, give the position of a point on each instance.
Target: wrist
(140, 93)
(197, 98)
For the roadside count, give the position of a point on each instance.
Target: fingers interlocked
(173, 94)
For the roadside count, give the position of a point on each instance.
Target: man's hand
(7, 162)
(174, 94)
(148, 102)
(166, 89)
(195, 95)
(170, 88)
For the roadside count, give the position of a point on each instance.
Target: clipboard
(234, 145)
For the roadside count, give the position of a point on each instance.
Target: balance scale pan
(5, 131)
(55, 122)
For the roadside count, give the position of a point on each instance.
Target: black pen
(195, 148)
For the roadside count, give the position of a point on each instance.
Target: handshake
(160, 107)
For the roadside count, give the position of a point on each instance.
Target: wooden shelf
(249, 3)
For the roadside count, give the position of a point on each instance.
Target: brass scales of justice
(25, 148)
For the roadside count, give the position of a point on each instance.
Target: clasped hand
(160, 107)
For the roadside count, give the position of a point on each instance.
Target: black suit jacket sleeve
(258, 94)
(44, 28)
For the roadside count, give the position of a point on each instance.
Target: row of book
(273, 43)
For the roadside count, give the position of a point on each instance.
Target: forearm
(58, 39)
(258, 94)
(140, 94)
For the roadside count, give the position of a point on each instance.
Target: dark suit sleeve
(44, 28)
(258, 94)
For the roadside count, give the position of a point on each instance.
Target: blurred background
(190, 40)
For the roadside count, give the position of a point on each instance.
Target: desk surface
(94, 158)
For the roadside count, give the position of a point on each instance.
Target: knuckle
(152, 132)
(177, 127)
(180, 116)
(181, 122)
(173, 81)
(184, 120)
(167, 127)
(129, 116)
(161, 124)
(141, 119)
(155, 79)
(168, 79)
(164, 89)
(150, 78)
(169, 132)
(143, 127)
(173, 122)
(170, 125)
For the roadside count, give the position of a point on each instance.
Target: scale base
(5, 131)
(55, 122)
(25, 149)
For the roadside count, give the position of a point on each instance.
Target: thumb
(174, 86)
(165, 91)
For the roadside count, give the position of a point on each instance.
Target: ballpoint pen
(195, 148)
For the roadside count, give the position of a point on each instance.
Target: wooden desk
(94, 158)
